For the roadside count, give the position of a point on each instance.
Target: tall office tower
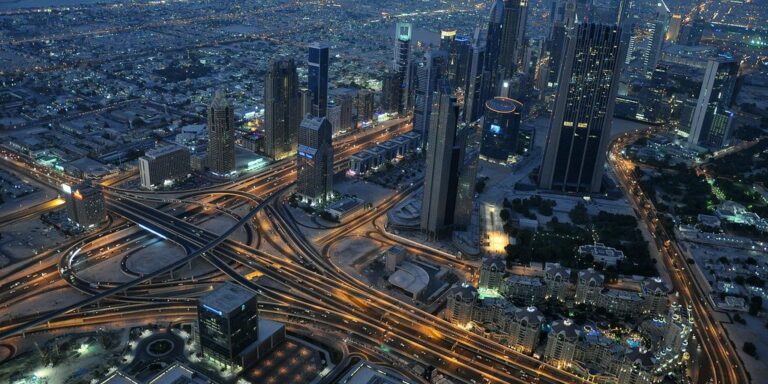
(402, 64)
(673, 32)
(221, 135)
(711, 122)
(444, 160)
(228, 322)
(305, 103)
(164, 165)
(391, 92)
(581, 121)
(501, 128)
(85, 204)
(364, 105)
(315, 160)
(656, 29)
(695, 31)
(317, 77)
(428, 73)
(282, 111)
(473, 95)
(505, 42)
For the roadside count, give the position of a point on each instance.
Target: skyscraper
(581, 121)
(428, 73)
(391, 92)
(228, 322)
(402, 64)
(314, 181)
(501, 128)
(711, 121)
(444, 160)
(305, 102)
(317, 77)
(474, 92)
(282, 111)
(163, 165)
(221, 135)
(505, 42)
(564, 22)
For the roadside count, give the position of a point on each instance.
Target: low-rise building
(602, 254)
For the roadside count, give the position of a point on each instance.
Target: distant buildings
(163, 165)
(85, 204)
(318, 62)
(576, 148)
(221, 135)
(390, 92)
(711, 123)
(501, 128)
(229, 328)
(314, 183)
(282, 109)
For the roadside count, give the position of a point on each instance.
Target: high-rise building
(317, 77)
(164, 165)
(564, 19)
(473, 102)
(673, 32)
(505, 42)
(305, 103)
(459, 60)
(314, 181)
(282, 111)
(581, 122)
(364, 104)
(390, 92)
(656, 30)
(85, 204)
(501, 127)
(655, 107)
(228, 322)
(428, 73)
(711, 121)
(221, 135)
(402, 64)
(445, 153)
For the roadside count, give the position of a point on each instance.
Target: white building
(163, 165)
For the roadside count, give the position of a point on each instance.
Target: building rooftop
(179, 374)
(156, 152)
(346, 204)
(367, 373)
(227, 297)
(410, 278)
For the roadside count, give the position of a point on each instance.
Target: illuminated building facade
(314, 181)
(711, 121)
(163, 165)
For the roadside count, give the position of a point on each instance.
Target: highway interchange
(297, 282)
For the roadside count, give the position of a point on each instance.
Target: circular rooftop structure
(503, 105)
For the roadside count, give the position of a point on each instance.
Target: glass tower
(318, 78)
